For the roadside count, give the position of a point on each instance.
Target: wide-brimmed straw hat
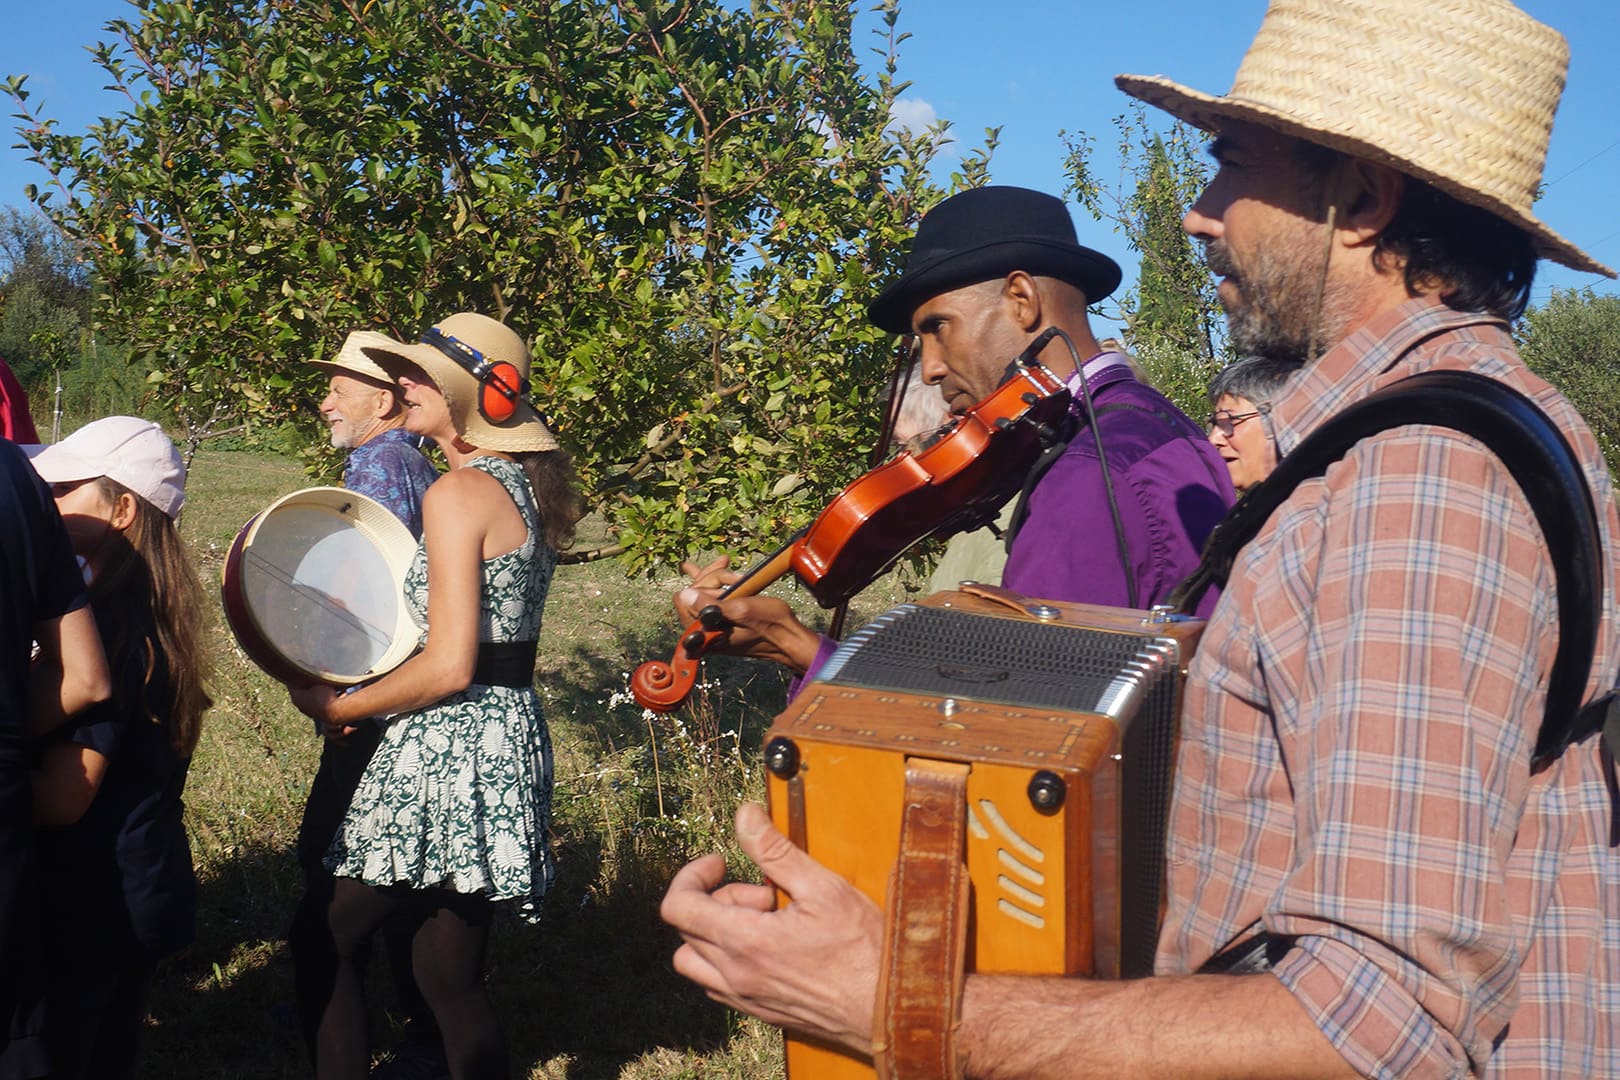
(351, 359)
(1458, 93)
(449, 352)
(985, 233)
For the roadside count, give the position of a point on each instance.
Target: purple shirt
(1169, 483)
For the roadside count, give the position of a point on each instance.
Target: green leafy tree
(1172, 321)
(1573, 341)
(45, 335)
(684, 207)
(44, 297)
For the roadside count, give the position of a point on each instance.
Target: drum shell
(313, 588)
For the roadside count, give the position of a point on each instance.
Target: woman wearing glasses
(452, 813)
(1239, 428)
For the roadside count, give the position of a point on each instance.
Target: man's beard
(346, 435)
(1282, 311)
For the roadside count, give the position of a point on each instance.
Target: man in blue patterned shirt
(363, 410)
(365, 415)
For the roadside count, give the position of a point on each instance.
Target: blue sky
(1035, 67)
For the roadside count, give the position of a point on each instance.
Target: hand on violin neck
(761, 626)
(707, 584)
(715, 575)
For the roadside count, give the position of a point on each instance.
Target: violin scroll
(663, 688)
(657, 686)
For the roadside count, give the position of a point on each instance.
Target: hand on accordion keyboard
(811, 966)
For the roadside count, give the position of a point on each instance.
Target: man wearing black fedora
(1370, 869)
(1119, 518)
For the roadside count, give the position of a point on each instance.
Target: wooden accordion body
(1059, 721)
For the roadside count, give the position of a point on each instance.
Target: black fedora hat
(986, 233)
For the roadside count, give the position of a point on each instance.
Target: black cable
(1090, 409)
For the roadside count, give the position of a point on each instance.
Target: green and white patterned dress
(458, 795)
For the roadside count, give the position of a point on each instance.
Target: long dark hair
(148, 605)
(556, 494)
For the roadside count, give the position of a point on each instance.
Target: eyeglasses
(1226, 422)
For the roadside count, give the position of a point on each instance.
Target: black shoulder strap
(1540, 461)
(1043, 465)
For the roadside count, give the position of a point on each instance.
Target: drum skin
(313, 588)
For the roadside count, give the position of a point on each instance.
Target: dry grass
(589, 993)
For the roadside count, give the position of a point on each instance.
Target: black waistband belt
(505, 663)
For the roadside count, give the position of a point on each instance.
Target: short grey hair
(1255, 378)
(922, 407)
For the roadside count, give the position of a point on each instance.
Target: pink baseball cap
(127, 449)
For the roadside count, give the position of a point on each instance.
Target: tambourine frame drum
(313, 588)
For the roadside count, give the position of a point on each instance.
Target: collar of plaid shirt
(1369, 359)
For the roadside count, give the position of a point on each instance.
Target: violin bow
(899, 382)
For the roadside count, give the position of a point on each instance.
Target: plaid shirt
(1355, 745)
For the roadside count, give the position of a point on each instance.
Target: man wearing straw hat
(1354, 811)
(364, 415)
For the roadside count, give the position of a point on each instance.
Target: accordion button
(782, 757)
(1046, 791)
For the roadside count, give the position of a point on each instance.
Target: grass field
(589, 992)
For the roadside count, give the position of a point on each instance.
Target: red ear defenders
(500, 385)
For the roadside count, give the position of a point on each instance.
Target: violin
(952, 480)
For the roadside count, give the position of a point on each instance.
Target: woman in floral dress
(451, 815)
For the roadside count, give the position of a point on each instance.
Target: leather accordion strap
(925, 929)
(505, 663)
